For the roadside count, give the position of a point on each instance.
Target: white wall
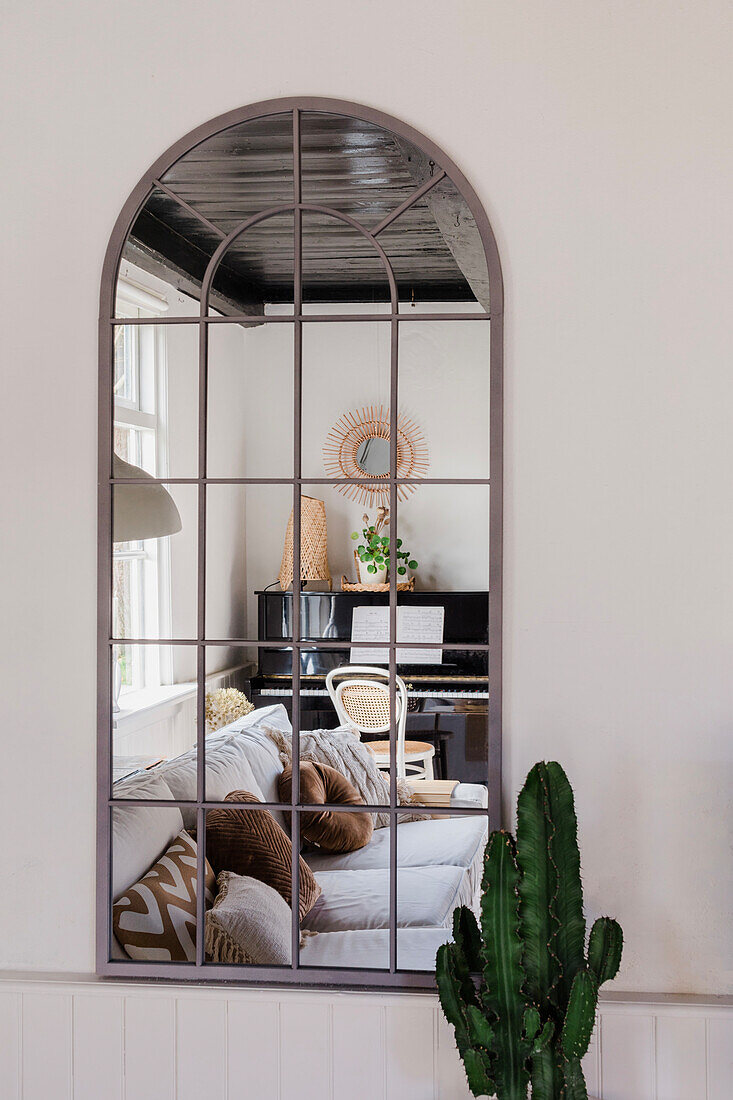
(597, 137)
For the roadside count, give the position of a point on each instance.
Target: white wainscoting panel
(201, 1048)
(99, 1031)
(306, 1051)
(627, 1056)
(253, 1032)
(358, 1030)
(46, 1040)
(150, 1040)
(681, 1059)
(720, 1057)
(409, 1051)
(10, 1044)
(83, 1039)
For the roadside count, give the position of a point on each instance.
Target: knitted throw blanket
(341, 749)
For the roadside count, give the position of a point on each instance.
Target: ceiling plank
(455, 221)
(156, 248)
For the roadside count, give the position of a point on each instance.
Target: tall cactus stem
(604, 949)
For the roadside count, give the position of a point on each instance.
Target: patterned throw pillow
(250, 842)
(156, 918)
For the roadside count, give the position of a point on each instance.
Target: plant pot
(380, 577)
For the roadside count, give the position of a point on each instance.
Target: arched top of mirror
(350, 165)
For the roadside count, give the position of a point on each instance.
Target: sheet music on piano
(414, 624)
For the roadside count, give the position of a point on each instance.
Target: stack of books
(433, 792)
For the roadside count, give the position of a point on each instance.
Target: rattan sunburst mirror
(357, 446)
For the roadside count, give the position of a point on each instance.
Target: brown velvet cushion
(250, 842)
(330, 830)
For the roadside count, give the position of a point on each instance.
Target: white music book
(414, 624)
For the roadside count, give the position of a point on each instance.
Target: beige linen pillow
(155, 919)
(249, 923)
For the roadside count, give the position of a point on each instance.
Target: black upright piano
(448, 702)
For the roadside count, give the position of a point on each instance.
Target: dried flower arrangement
(225, 705)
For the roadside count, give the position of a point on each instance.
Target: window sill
(137, 707)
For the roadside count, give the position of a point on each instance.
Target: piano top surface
(381, 597)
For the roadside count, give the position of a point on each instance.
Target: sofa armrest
(469, 795)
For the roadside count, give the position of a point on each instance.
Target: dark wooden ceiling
(352, 166)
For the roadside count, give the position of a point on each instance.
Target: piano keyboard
(321, 692)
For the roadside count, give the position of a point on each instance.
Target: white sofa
(439, 859)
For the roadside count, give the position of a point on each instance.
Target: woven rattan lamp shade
(313, 545)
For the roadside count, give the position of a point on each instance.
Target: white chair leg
(429, 768)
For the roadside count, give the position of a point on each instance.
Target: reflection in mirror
(155, 378)
(445, 385)
(207, 193)
(154, 698)
(452, 276)
(439, 889)
(362, 434)
(237, 172)
(153, 557)
(259, 424)
(372, 457)
(341, 265)
(153, 855)
(245, 532)
(250, 397)
(358, 899)
(426, 526)
(345, 373)
(260, 259)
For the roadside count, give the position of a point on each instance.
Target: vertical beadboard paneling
(305, 1050)
(201, 1047)
(253, 1041)
(720, 1057)
(451, 1081)
(72, 1040)
(409, 1043)
(10, 1004)
(47, 1043)
(150, 1040)
(358, 1050)
(680, 1054)
(592, 1065)
(627, 1046)
(98, 1035)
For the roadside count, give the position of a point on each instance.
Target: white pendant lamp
(141, 511)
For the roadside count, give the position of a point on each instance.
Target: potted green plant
(522, 991)
(373, 551)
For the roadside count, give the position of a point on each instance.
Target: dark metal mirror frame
(393, 978)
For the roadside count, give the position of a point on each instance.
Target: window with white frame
(141, 569)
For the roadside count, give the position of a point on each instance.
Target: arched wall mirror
(300, 513)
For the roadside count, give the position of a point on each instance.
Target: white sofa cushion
(367, 948)
(427, 843)
(140, 834)
(227, 769)
(426, 898)
(262, 753)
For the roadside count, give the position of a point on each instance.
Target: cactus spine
(521, 993)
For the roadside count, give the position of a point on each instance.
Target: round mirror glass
(372, 457)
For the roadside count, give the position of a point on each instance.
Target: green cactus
(520, 992)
